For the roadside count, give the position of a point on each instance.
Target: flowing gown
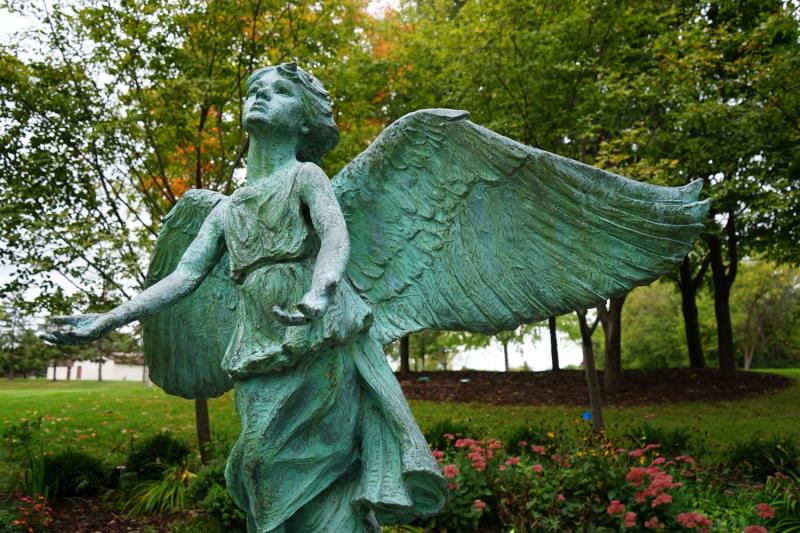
(327, 442)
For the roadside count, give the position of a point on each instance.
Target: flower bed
(596, 485)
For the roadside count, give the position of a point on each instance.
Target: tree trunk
(55, 368)
(100, 371)
(69, 372)
(405, 367)
(722, 311)
(203, 428)
(748, 356)
(551, 324)
(505, 355)
(611, 319)
(592, 380)
(688, 286)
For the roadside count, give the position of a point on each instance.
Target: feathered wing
(185, 343)
(456, 227)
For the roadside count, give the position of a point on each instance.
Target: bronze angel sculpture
(289, 289)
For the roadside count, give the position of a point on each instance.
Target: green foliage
(154, 455)
(679, 440)
(653, 334)
(97, 147)
(765, 305)
(167, 494)
(198, 524)
(522, 438)
(439, 435)
(757, 458)
(74, 473)
(219, 504)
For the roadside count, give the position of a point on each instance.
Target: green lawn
(103, 418)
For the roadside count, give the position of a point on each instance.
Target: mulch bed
(92, 516)
(568, 387)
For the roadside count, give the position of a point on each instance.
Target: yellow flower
(550, 435)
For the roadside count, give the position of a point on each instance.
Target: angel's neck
(269, 156)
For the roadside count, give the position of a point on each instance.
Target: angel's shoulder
(311, 175)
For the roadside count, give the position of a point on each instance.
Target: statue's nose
(265, 92)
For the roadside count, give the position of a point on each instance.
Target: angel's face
(273, 103)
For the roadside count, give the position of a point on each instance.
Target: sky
(535, 354)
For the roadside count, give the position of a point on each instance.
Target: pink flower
(449, 436)
(562, 498)
(636, 475)
(494, 444)
(615, 508)
(654, 524)
(688, 459)
(661, 499)
(438, 454)
(452, 486)
(692, 520)
(630, 519)
(765, 511)
(658, 461)
(502, 468)
(538, 449)
(480, 505)
(463, 443)
(511, 461)
(522, 443)
(537, 468)
(450, 471)
(479, 466)
(755, 529)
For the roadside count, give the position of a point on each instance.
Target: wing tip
(451, 115)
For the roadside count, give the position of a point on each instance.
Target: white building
(119, 367)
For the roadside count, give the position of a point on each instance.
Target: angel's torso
(265, 224)
(272, 247)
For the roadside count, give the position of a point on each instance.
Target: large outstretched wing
(453, 226)
(185, 343)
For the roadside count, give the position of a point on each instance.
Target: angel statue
(288, 290)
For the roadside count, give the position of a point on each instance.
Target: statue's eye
(282, 89)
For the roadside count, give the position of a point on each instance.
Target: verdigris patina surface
(289, 289)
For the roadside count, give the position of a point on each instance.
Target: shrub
(30, 514)
(74, 473)
(521, 438)
(209, 490)
(154, 455)
(756, 458)
(436, 435)
(219, 505)
(674, 441)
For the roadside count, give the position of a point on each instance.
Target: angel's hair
(323, 134)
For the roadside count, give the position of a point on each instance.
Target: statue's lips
(259, 106)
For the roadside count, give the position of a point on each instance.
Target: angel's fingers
(65, 320)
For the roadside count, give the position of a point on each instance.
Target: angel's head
(288, 99)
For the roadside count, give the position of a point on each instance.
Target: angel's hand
(78, 329)
(311, 307)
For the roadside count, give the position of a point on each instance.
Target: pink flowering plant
(544, 486)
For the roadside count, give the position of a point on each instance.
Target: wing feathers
(456, 227)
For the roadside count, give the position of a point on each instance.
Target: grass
(105, 418)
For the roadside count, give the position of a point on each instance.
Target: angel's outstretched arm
(197, 261)
(326, 216)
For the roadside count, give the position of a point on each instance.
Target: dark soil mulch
(92, 516)
(568, 387)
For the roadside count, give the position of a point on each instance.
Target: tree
(610, 316)
(592, 380)
(516, 336)
(653, 329)
(551, 327)
(766, 313)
